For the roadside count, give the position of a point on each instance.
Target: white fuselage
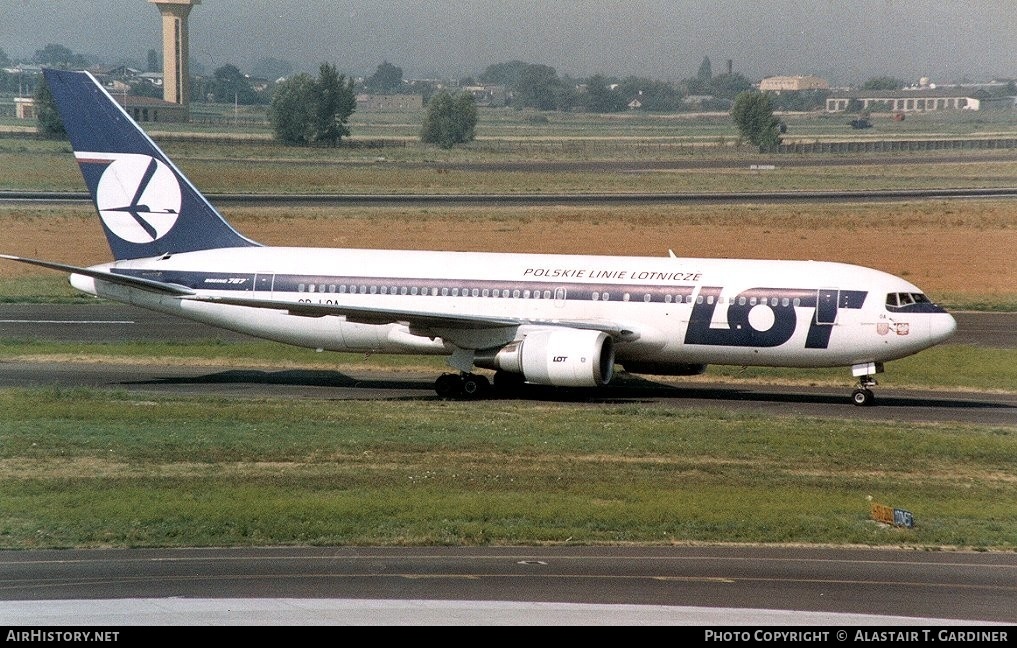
(671, 310)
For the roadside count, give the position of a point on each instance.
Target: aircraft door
(826, 305)
(263, 284)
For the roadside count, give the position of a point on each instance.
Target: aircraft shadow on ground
(629, 390)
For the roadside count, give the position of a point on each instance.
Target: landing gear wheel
(475, 386)
(863, 397)
(448, 386)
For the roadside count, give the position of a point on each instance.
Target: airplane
(539, 319)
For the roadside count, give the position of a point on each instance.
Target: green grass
(88, 468)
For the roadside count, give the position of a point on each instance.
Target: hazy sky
(846, 41)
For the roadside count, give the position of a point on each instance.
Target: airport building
(793, 83)
(916, 100)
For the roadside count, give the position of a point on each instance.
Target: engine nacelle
(664, 368)
(560, 357)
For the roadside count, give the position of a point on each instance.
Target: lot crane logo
(138, 197)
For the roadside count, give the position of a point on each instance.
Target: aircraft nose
(942, 327)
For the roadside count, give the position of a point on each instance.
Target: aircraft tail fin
(147, 206)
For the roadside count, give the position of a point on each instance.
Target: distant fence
(889, 146)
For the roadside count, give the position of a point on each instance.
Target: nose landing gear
(865, 372)
(862, 395)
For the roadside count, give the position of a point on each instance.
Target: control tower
(176, 80)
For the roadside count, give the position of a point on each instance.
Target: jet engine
(560, 357)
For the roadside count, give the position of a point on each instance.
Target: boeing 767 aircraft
(558, 320)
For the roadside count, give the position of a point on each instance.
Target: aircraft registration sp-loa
(557, 320)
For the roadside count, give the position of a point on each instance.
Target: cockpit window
(907, 301)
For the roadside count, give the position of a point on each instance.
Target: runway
(719, 586)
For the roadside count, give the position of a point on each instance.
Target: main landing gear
(862, 395)
(462, 385)
(471, 386)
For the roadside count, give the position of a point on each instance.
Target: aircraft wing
(420, 320)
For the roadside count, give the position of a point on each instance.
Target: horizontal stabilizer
(102, 275)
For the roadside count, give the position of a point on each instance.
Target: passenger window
(300, 288)
(625, 297)
(647, 298)
(605, 296)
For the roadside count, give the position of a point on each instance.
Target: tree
(753, 114)
(387, 79)
(305, 110)
(229, 85)
(450, 120)
(154, 64)
(883, 83)
(60, 57)
(655, 96)
(600, 98)
(506, 74)
(705, 72)
(292, 111)
(50, 124)
(4, 59)
(729, 86)
(539, 87)
(334, 103)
